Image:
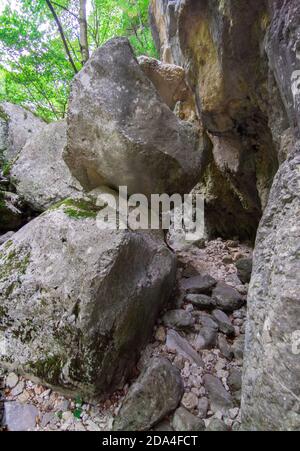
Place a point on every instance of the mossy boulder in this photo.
(78, 302)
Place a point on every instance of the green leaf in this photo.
(34, 69)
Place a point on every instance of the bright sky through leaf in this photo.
(35, 69)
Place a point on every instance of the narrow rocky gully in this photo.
(201, 333)
(105, 326)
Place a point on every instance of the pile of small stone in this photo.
(29, 406)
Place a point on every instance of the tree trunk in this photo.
(84, 46)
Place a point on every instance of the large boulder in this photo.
(271, 390)
(40, 175)
(120, 132)
(77, 302)
(17, 125)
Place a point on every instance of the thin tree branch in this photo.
(66, 9)
(61, 31)
(34, 84)
(137, 36)
(73, 50)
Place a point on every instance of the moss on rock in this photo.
(48, 369)
(78, 208)
(13, 262)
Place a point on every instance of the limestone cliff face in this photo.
(243, 64)
(239, 62)
(272, 359)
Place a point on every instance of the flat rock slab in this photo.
(156, 393)
(225, 348)
(224, 323)
(207, 320)
(20, 417)
(184, 421)
(206, 339)
(227, 298)
(178, 344)
(244, 269)
(179, 319)
(201, 301)
(202, 284)
(220, 399)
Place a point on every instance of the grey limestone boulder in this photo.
(17, 125)
(40, 174)
(77, 303)
(121, 133)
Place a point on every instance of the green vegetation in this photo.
(78, 410)
(6, 168)
(48, 369)
(78, 208)
(13, 262)
(42, 45)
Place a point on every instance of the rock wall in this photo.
(244, 67)
(271, 390)
(233, 67)
(272, 362)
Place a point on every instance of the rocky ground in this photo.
(201, 333)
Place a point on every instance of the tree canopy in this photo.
(42, 45)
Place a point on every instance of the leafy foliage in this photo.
(34, 69)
